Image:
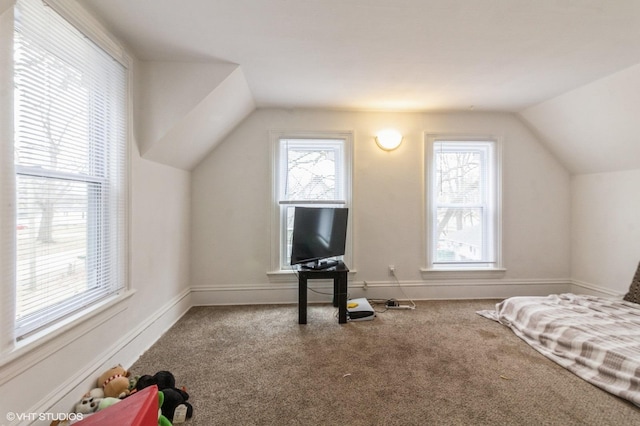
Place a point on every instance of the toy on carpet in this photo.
(133, 381)
(162, 420)
(90, 405)
(173, 397)
(96, 393)
(163, 379)
(115, 382)
(87, 405)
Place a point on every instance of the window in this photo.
(70, 139)
(308, 170)
(463, 203)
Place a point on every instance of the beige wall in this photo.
(593, 131)
(606, 229)
(52, 373)
(230, 242)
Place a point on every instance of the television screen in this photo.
(318, 233)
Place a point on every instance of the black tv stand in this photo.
(339, 276)
(320, 265)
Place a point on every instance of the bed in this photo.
(596, 338)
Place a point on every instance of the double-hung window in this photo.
(463, 203)
(312, 170)
(70, 144)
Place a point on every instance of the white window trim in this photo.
(37, 347)
(9, 347)
(77, 16)
(456, 271)
(276, 273)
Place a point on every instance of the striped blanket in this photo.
(597, 339)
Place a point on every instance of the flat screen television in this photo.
(318, 233)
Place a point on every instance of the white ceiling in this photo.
(418, 55)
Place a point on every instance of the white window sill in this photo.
(464, 273)
(282, 276)
(33, 349)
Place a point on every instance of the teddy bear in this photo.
(115, 382)
(173, 397)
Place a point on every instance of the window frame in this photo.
(100, 299)
(493, 230)
(279, 263)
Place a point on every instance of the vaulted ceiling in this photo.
(562, 65)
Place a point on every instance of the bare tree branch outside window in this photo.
(459, 196)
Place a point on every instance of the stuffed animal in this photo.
(133, 381)
(115, 382)
(162, 420)
(173, 397)
(163, 379)
(95, 392)
(87, 405)
(90, 405)
(107, 402)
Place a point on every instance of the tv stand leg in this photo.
(341, 295)
(302, 300)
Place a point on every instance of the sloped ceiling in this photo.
(401, 55)
(594, 128)
(186, 109)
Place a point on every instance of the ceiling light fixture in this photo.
(388, 139)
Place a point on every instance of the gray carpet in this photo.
(441, 364)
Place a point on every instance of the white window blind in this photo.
(70, 139)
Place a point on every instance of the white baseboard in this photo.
(249, 295)
(461, 289)
(415, 290)
(582, 287)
